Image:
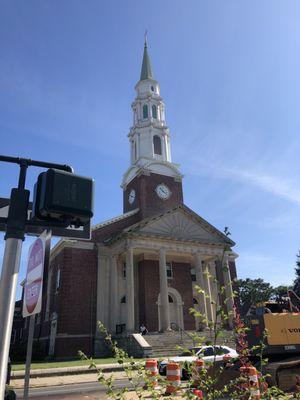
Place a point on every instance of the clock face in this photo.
(131, 196)
(163, 191)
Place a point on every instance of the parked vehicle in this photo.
(206, 353)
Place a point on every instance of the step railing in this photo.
(176, 327)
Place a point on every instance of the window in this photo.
(123, 300)
(221, 350)
(135, 151)
(152, 88)
(145, 111)
(209, 351)
(124, 271)
(57, 283)
(195, 301)
(169, 270)
(154, 111)
(157, 145)
(171, 299)
(193, 274)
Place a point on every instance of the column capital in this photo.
(199, 257)
(162, 251)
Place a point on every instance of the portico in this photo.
(141, 271)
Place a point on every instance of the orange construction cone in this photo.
(173, 377)
(253, 385)
(226, 357)
(198, 365)
(198, 393)
(152, 372)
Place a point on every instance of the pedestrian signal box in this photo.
(61, 196)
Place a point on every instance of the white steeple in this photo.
(149, 136)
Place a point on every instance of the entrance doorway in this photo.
(175, 308)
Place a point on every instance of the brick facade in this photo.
(148, 293)
(146, 198)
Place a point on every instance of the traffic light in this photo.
(61, 196)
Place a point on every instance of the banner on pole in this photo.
(32, 302)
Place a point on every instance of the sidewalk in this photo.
(51, 372)
(56, 380)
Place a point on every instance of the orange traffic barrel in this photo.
(152, 372)
(198, 393)
(252, 381)
(197, 367)
(173, 377)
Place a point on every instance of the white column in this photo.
(114, 297)
(207, 289)
(228, 291)
(200, 283)
(129, 291)
(164, 294)
(102, 290)
(213, 286)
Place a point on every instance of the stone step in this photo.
(164, 344)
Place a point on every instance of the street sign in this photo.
(83, 232)
(32, 302)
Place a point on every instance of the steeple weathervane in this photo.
(146, 72)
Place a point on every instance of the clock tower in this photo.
(153, 182)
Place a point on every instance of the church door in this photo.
(175, 308)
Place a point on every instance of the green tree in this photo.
(280, 293)
(252, 291)
(297, 271)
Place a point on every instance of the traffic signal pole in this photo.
(15, 234)
(8, 286)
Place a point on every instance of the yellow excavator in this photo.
(277, 325)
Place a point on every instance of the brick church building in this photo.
(141, 266)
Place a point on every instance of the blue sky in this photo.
(229, 75)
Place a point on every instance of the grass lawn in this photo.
(61, 364)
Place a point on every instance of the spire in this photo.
(146, 72)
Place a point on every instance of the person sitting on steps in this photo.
(143, 329)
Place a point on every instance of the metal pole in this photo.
(8, 286)
(28, 356)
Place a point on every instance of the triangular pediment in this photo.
(181, 224)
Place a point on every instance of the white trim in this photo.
(115, 219)
(67, 336)
(74, 244)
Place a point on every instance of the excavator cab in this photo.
(274, 324)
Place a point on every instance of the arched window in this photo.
(171, 299)
(123, 300)
(135, 151)
(154, 111)
(145, 111)
(157, 145)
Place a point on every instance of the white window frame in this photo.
(169, 267)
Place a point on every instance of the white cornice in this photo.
(115, 219)
(74, 244)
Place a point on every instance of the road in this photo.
(90, 390)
